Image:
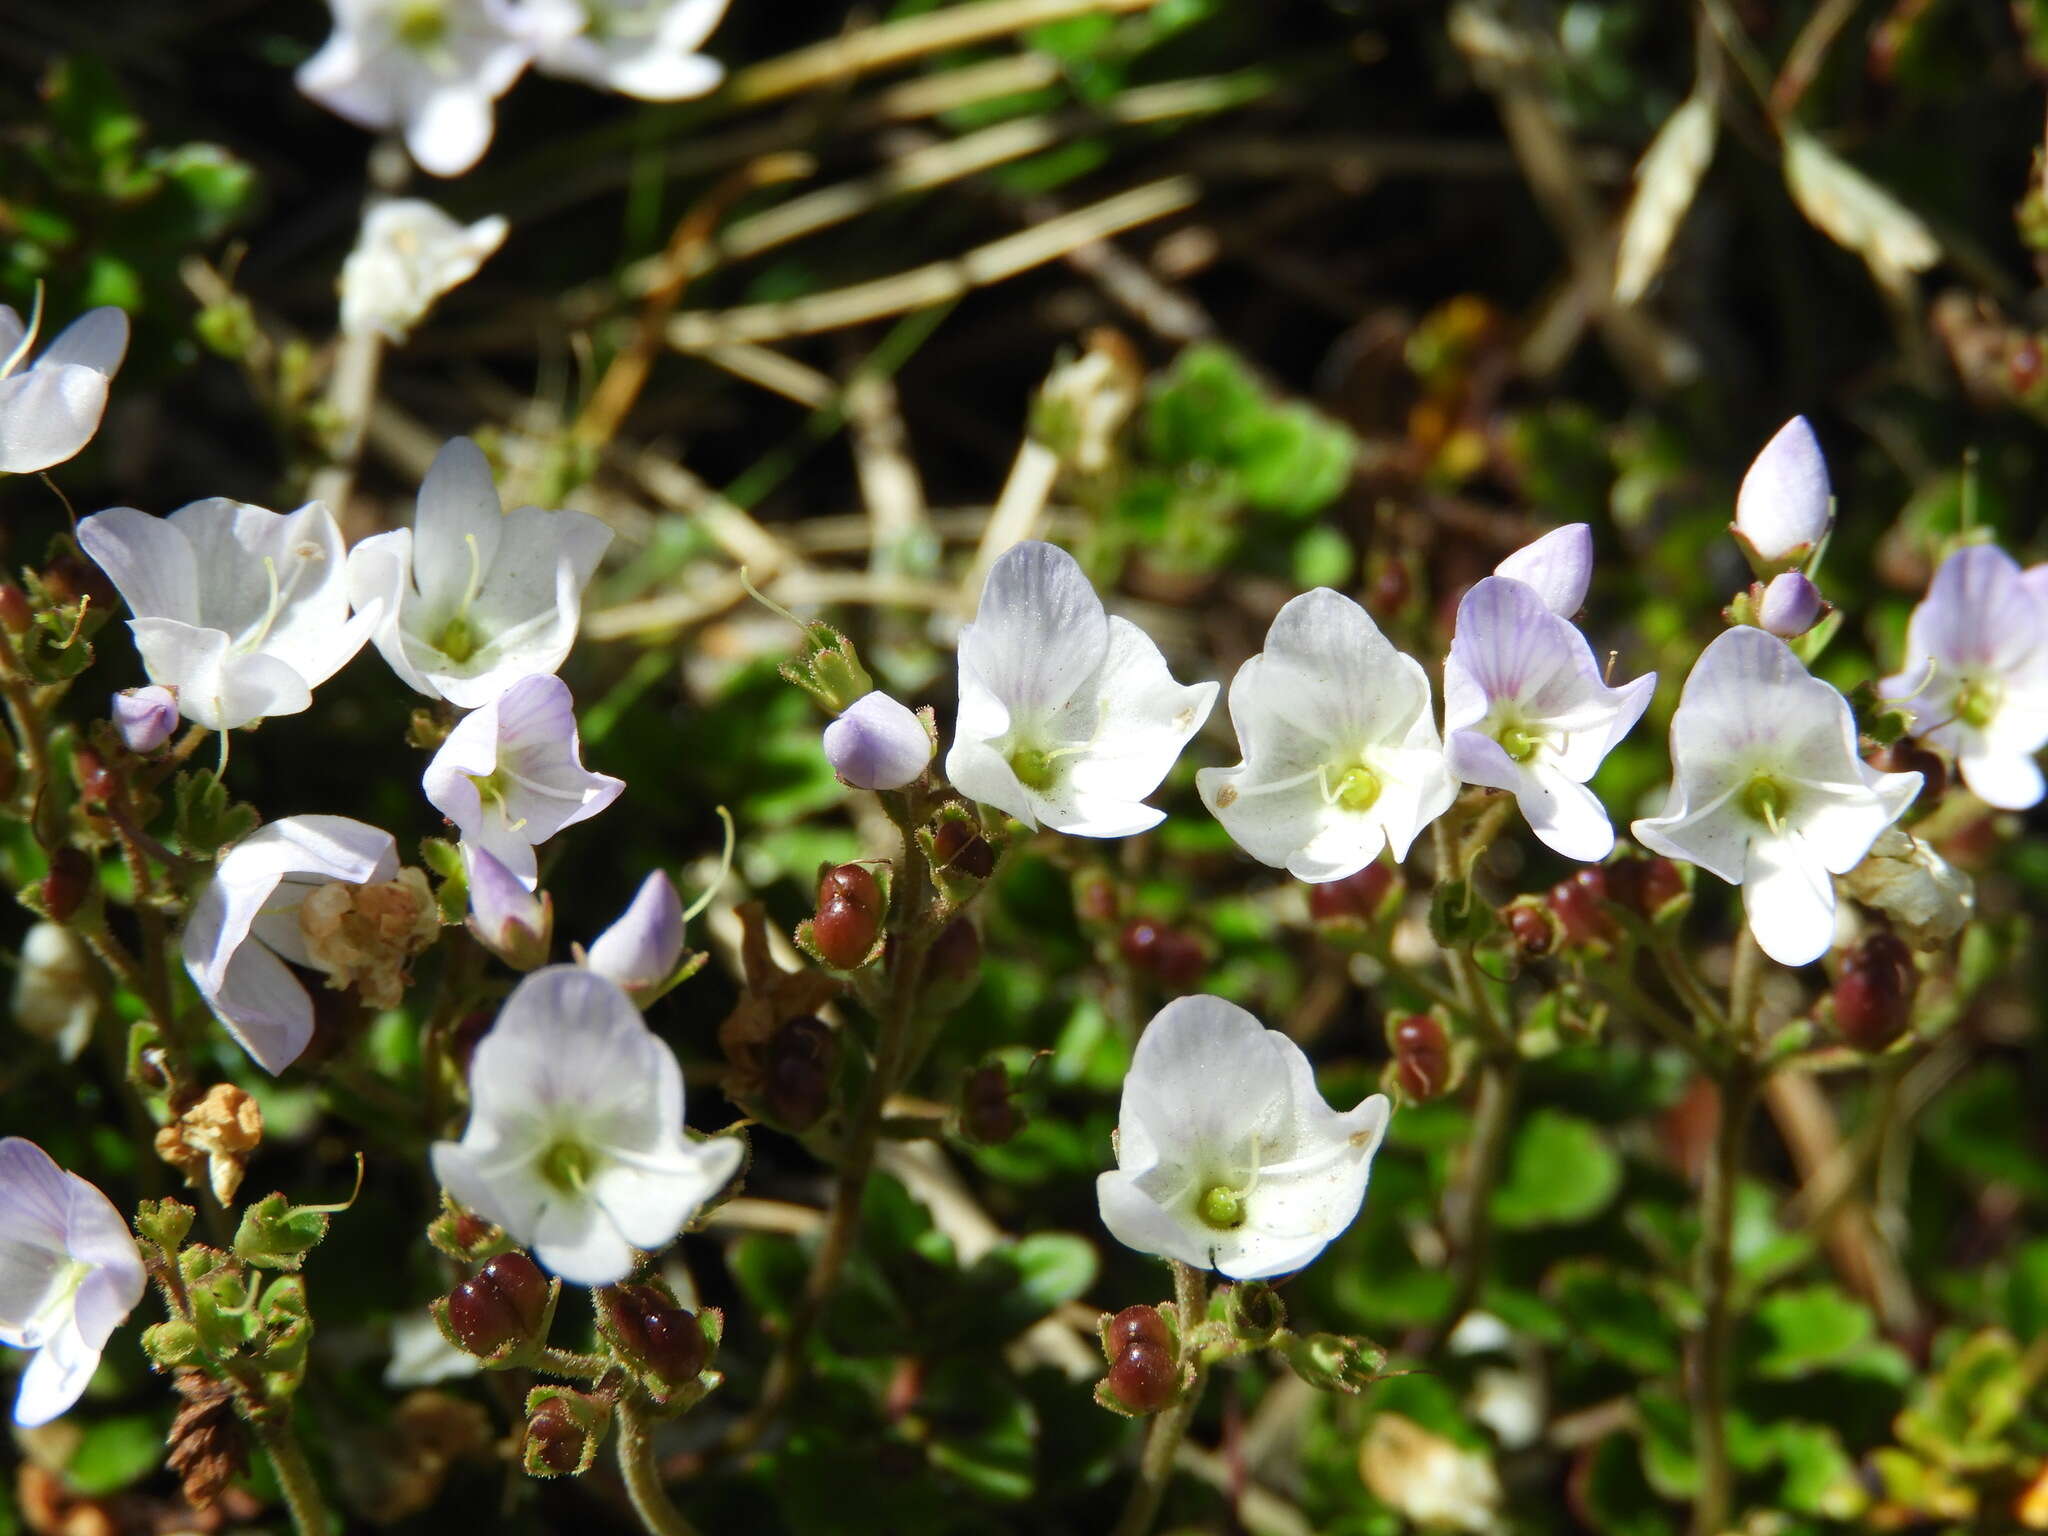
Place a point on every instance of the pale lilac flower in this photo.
(643, 948)
(1785, 505)
(430, 67)
(1067, 716)
(240, 612)
(145, 717)
(56, 997)
(1767, 791)
(575, 1143)
(1559, 566)
(70, 1274)
(511, 775)
(509, 920)
(51, 408)
(246, 925)
(1227, 1156)
(408, 254)
(1525, 710)
(644, 48)
(877, 744)
(471, 598)
(1341, 752)
(1791, 605)
(1976, 673)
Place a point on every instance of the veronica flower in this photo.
(70, 1274)
(509, 920)
(471, 598)
(430, 67)
(877, 744)
(50, 409)
(145, 717)
(240, 612)
(1227, 1156)
(1785, 505)
(1525, 710)
(408, 254)
(1976, 673)
(1767, 790)
(644, 48)
(511, 775)
(1558, 566)
(1067, 716)
(322, 892)
(643, 948)
(1341, 752)
(575, 1143)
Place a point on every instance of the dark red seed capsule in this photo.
(844, 933)
(1579, 903)
(955, 956)
(502, 1302)
(1356, 898)
(1139, 1325)
(1645, 886)
(15, 614)
(1144, 1378)
(657, 1335)
(1873, 992)
(798, 1085)
(958, 848)
(554, 1438)
(1535, 935)
(1422, 1056)
(96, 785)
(67, 884)
(1912, 757)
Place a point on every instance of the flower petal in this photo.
(1039, 633)
(149, 561)
(1559, 566)
(1790, 900)
(48, 414)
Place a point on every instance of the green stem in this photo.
(1162, 1444)
(651, 1502)
(1716, 1284)
(294, 1476)
(1470, 1210)
(1706, 1012)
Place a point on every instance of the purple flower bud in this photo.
(643, 948)
(510, 921)
(145, 717)
(877, 744)
(1559, 566)
(1785, 504)
(1790, 606)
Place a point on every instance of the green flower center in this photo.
(1357, 789)
(458, 641)
(420, 24)
(1764, 799)
(1518, 742)
(1034, 768)
(1977, 702)
(1221, 1207)
(567, 1165)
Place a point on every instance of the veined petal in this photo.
(47, 414)
(97, 339)
(458, 523)
(649, 1206)
(1790, 899)
(1039, 633)
(644, 947)
(1558, 566)
(1713, 834)
(148, 560)
(2010, 781)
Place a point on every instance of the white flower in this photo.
(50, 410)
(1227, 1156)
(471, 598)
(69, 1274)
(575, 1143)
(421, 1355)
(1341, 752)
(1976, 673)
(511, 775)
(1785, 505)
(249, 921)
(1525, 711)
(145, 717)
(1559, 566)
(644, 48)
(643, 948)
(1767, 790)
(54, 995)
(1067, 716)
(239, 611)
(408, 254)
(877, 743)
(431, 67)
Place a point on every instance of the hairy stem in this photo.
(651, 1502)
(1716, 1284)
(294, 1476)
(1162, 1444)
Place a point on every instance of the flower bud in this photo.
(653, 1335)
(1529, 923)
(1136, 1325)
(1175, 958)
(643, 948)
(877, 744)
(96, 784)
(988, 1115)
(513, 923)
(66, 886)
(1785, 504)
(1646, 886)
(1579, 903)
(831, 671)
(145, 717)
(563, 1432)
(1255, 1312)
(1873, 992)
(1359, 898)
(16, 617)
(959, 848)
(1144, 1378)
(1790, 606)
(849, 920)
(1422, 1057)
(798, 1082)
(504, 1303)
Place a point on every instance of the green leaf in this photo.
(1820, 1477)
(1959, 1417)
(984, 1432)
(1560, 1172)
(1616, 1314)
(1617, 1499)
(1293, 462)
(113, 1453)
(1798, 1332)
(2026, 1291)
(1029, 1279)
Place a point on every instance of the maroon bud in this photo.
(556, 1441)
(16, 617)
(96, 784)
(798, 1084)
(1139, 941)
(70, 579)
(1645, 886)
(1144, 1378)
(502, 1303)
(1580, 905)
(1911, 757)
(1530, 926)
(849, 916)
(470, 1230)
(987, 1114)
(1139, 1325)
(67, 884)
(1354, 899)
(1422, 1057)
(959, 849)
(955, 956)
(1874, 992)
(1180, 960)
(655, 1335)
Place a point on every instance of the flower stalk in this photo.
(657, 1511)
(1162, 1444)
